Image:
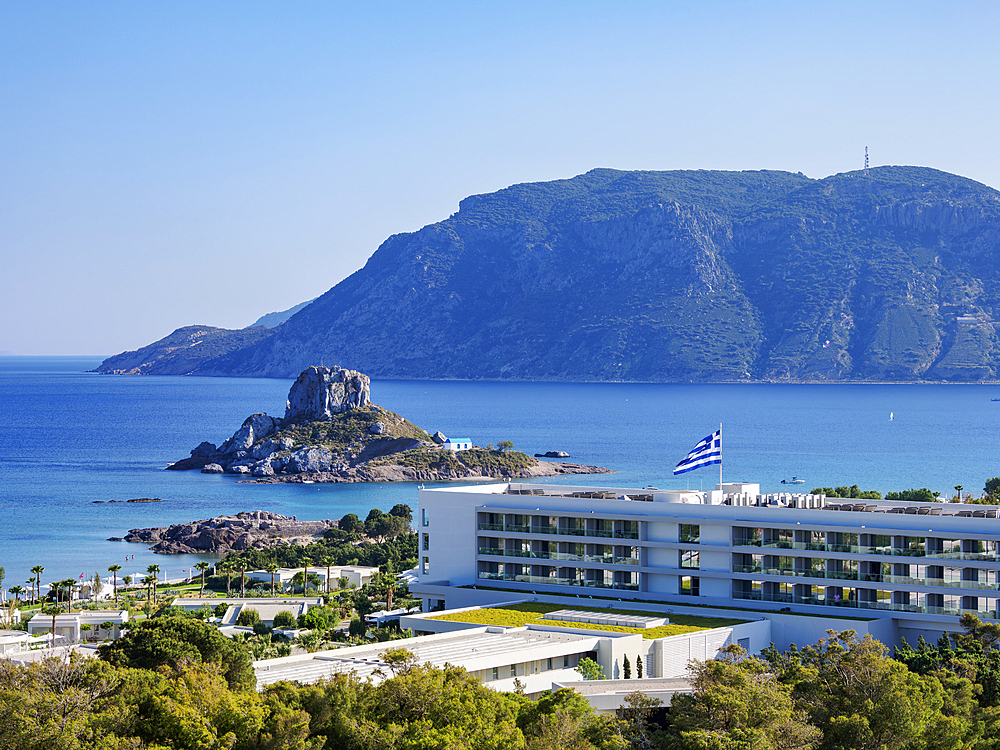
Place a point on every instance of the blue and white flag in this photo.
(706, 453)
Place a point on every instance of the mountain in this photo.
(180, 352)
(891, 274)
(275, 319)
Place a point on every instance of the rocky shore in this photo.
(255, 529)
(399, 473)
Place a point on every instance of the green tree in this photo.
(638, 667)
(351, 524)
(736, 704)
(225, 566)
(170, 641)
(857, 695)
(505, 445)
(627, 668)
(248, 617)
(992, 488)
(590, 669)
(402, 510)
(423, 707)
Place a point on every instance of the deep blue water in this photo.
(68, 438)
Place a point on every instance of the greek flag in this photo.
(706, 453)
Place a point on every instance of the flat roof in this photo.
(473, 649)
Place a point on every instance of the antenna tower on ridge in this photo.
(867, 176)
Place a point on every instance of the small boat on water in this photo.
(793, 480)
(995, 399)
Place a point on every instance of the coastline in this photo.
(398, 473)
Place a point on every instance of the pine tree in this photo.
(627, 669)
(638, 667)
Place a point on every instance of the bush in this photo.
(357, 626)
(284, 620)
(248, 617)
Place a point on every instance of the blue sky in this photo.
(165, 164)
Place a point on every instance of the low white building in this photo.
(103, 625)
(12, 641)
(537, 655)
(457, 444)
(356, 575)
(267, 608)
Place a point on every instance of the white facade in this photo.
(356, 575)
(68, 625)
(920, 564)
(457, 444)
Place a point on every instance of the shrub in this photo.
(284, 620)
(248, 617)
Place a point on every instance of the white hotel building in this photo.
(921, 564)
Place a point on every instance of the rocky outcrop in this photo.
(320, 392)
(252, 530)
(333, 433)
(399, 473)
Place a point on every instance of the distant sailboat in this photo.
(890, 416)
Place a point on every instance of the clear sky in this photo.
(171, 163)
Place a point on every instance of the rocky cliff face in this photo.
(320, 392)
(672, 276)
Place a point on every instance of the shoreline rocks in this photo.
(397, 473)
(255, 529)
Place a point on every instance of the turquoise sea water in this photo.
(68, 438)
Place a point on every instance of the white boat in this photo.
(793, 480)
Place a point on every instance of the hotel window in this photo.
(425, 518)
(689, 533)
(426, 567)
(496, 673)
(690, 586)
(690, 559)
(513, 670)
(427, 542)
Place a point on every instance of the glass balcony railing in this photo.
(559, 530)
(855, 604)
(555, 581)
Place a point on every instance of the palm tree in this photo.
(16, 591)
(271, 568)
(66, 585)
(243, 579)
(149, 582)
(305, 577)
(113, 569)
(202, 566)
(328, 562)
(227, 568)
(37, 570)
(958, 490)
(154, 570)
(52, 609)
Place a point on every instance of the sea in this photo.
(70, 439)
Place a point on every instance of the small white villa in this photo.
(100, 625)
(267, 608)
(356, 575)
(457, 444)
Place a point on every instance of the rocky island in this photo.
(332, 432)
(254, 530)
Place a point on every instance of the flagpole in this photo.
(720, 455)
